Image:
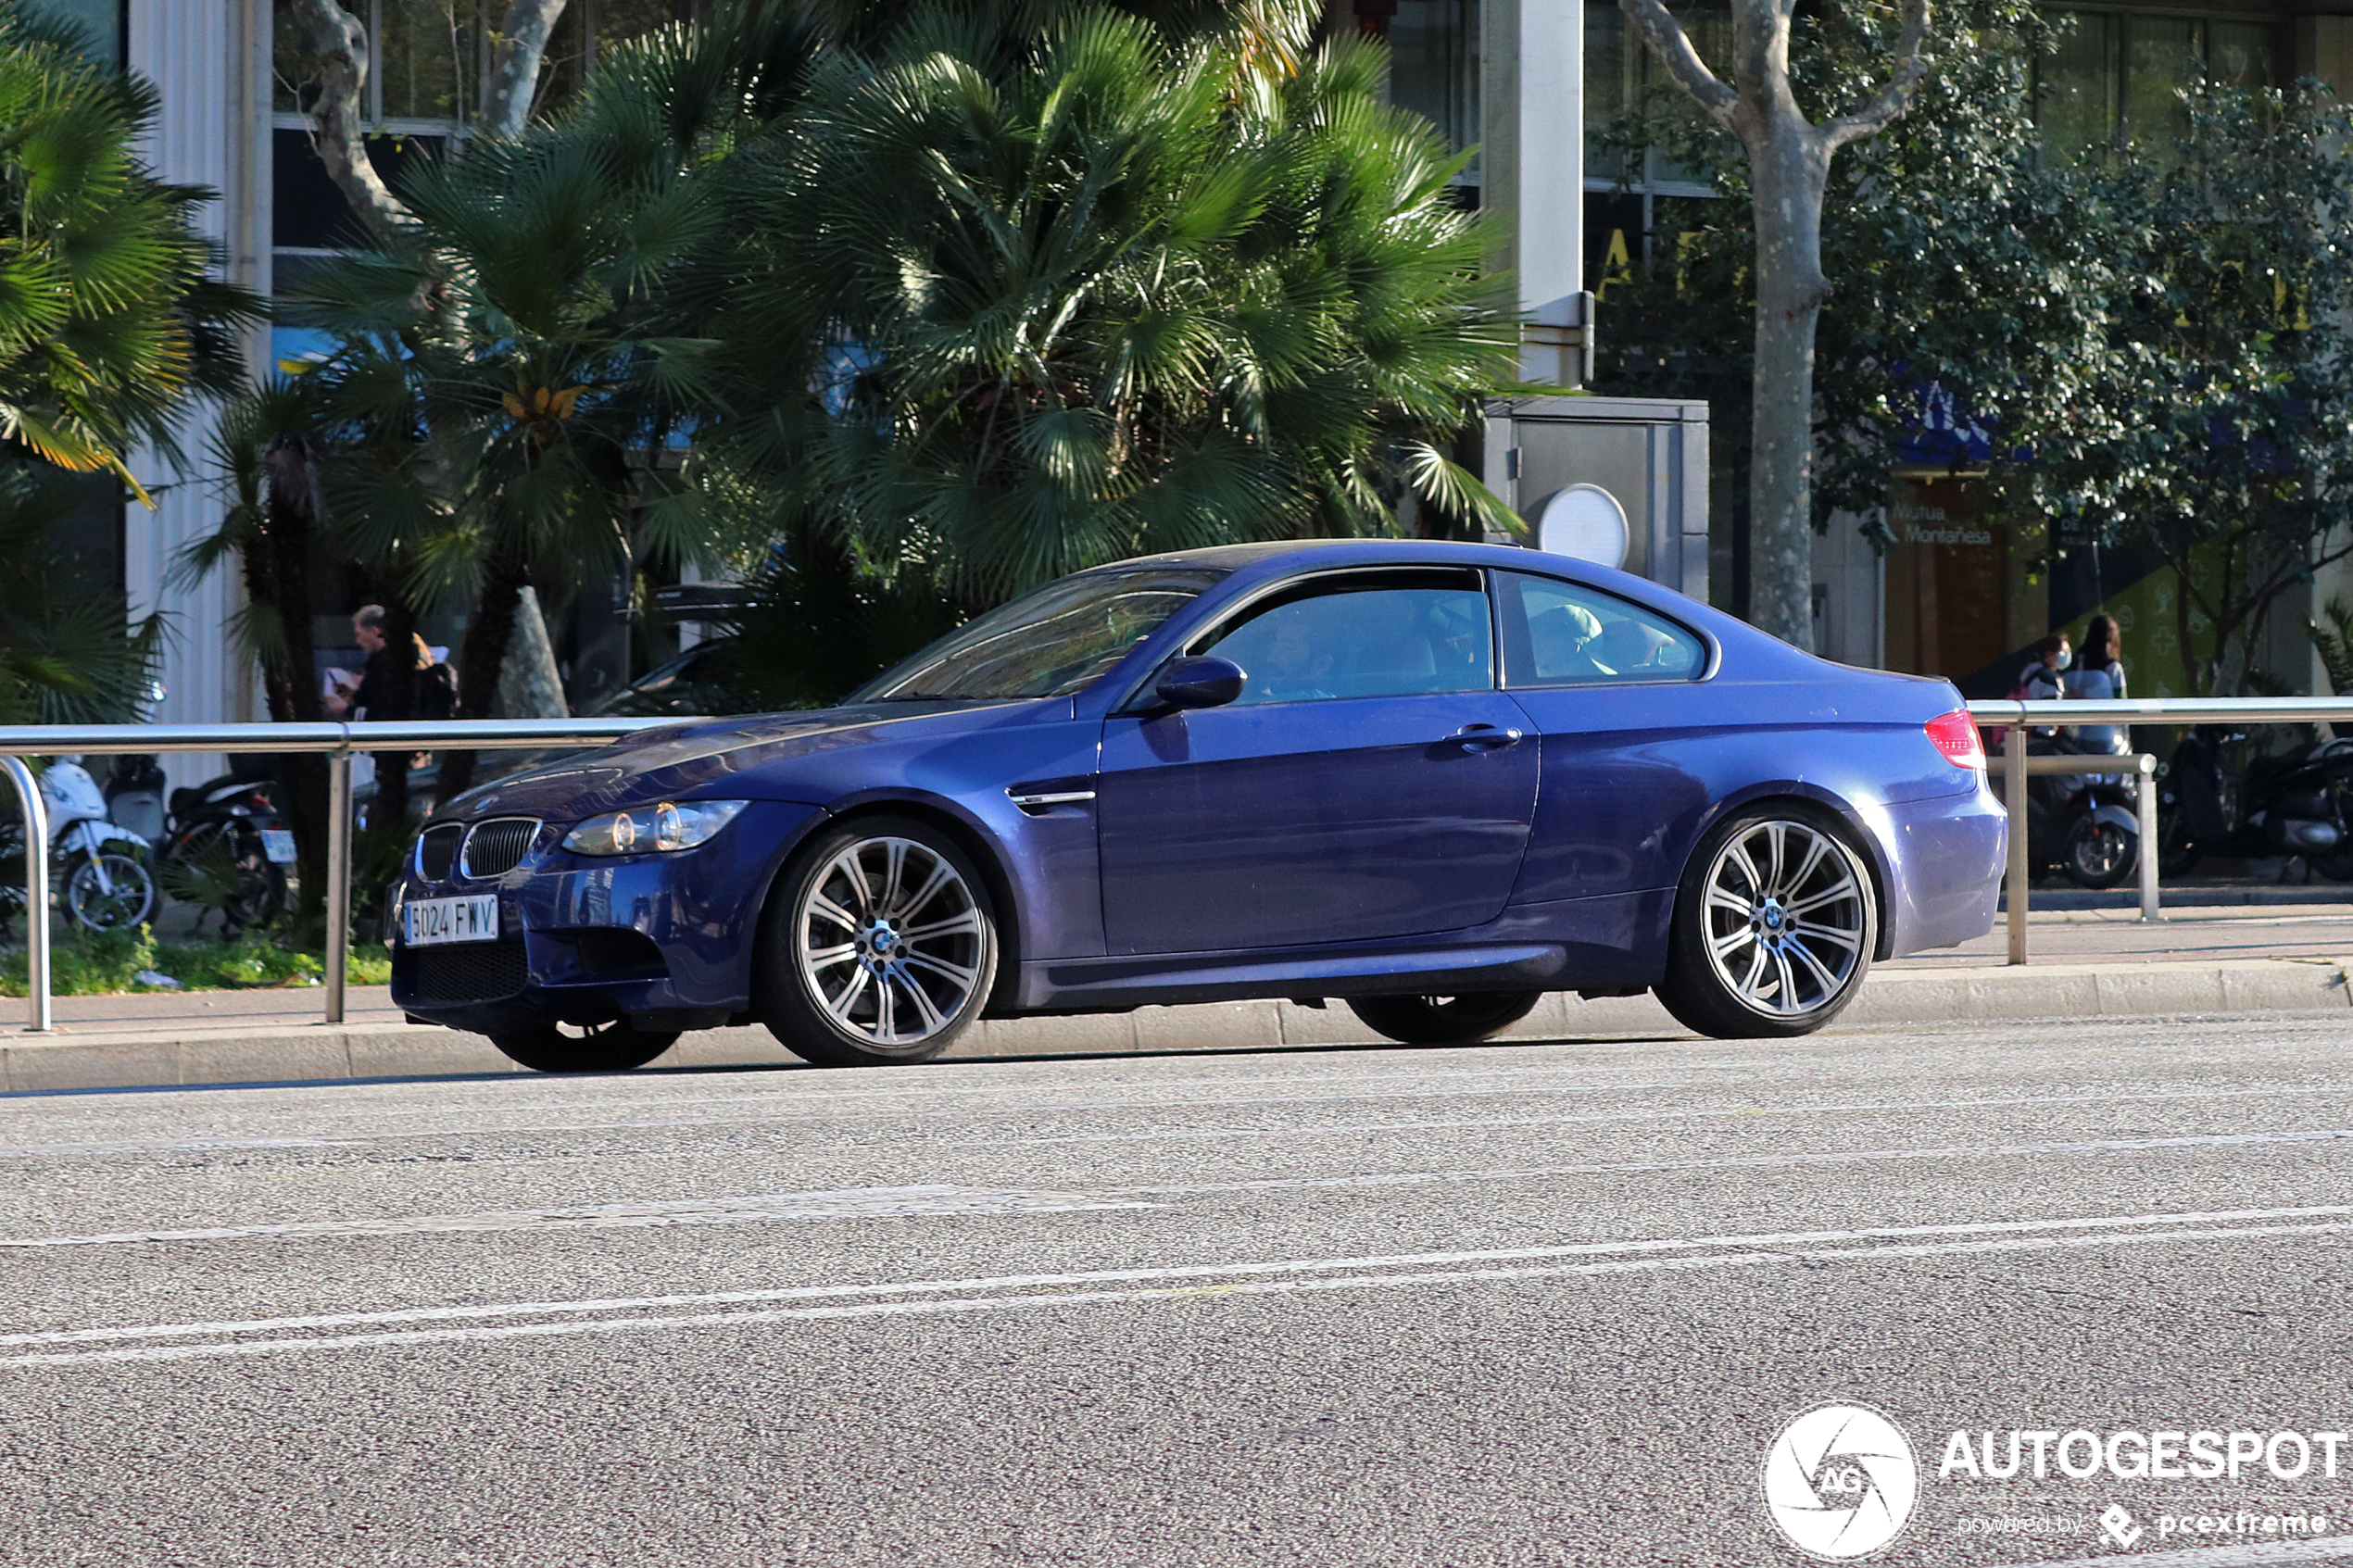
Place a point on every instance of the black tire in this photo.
(1824, 904)
(2098, 855)
(603, 1047)
(832, 984)
(1444, 1020)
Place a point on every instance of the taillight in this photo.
(1955, 736)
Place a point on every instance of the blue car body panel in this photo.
(1339, 847)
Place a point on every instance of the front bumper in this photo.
(664, 940)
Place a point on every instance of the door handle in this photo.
(1484, 738)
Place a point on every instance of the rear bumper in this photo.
(663, 940)
(1945, 862)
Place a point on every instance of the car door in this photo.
(1611, 689)
(1370, 782)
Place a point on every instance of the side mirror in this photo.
(1200, 682)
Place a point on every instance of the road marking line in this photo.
(904, 1202)
(2114, 1224)
(1828, 1157)
(206, 1145)
(2250, 1556)
(939, 1306)
(1720, 1113)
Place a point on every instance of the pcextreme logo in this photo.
(1840, 1481)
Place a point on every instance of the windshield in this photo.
(1050, 644)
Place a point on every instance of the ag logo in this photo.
(1840, 1481)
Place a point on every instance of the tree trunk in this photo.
(277, 578)
(481, 658)
(1789, 172)
(1789, 162)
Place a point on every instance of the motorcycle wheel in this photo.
(2098, 855)
(2336, 865)
(108, 892)
(260, 888)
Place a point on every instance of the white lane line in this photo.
(913, 1202)
(2124, 1225)
(1738, 1162)
(1063, 1299)
(905, 1202)
(168, 1146)
(2250, 1556)
(1721, 1113)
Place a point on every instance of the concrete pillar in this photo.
(210, 61)
(1532, 171)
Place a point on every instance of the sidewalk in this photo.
(2086, 963)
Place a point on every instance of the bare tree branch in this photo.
(338, 120)
(1666, 39)
(1911, 66)
(515, 57)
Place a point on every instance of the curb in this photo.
(323, 1053)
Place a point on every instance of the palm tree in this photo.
(108, 324)
(1009, 306)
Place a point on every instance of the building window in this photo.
(2114, 76)
(1433, 67)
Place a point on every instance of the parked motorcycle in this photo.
(2082, 827)
(227, 834)
(99, 866)
(2289, 803)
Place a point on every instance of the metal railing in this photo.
(340, 743)
(2014, 718)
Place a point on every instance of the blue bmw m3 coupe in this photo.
(1433, 781)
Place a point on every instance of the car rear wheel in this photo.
(596, 1048)
(880, 947)
(1444, 1020)
(1773, 929)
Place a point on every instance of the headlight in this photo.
(667, 826)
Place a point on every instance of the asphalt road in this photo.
(1534, 1304)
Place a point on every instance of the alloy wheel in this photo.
(1787, 918)
(889, 940)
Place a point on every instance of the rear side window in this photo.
(1388, 633)
(1559, 634)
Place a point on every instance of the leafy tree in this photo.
(1100, 290)
(1788, 153)
(2217, 435)
(109, 325)
(1978, 273)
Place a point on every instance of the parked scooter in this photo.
(229, 830)
(2291, 803)
(100, 867)
(2080, 825)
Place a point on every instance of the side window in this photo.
(1379, 634)
(1560, 633)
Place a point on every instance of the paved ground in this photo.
(1542, 1303)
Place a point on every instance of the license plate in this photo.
(278, 843)
(471, 919)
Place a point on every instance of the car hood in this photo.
(700, 761)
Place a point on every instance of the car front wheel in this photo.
(1773, 928)
(880, 947)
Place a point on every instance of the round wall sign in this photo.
(1584, 523)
